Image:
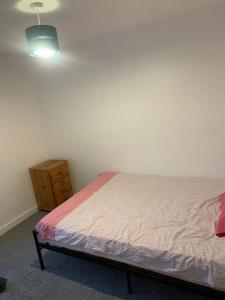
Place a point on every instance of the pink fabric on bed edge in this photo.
(47, 225)
(220, 226)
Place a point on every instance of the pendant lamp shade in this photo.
(42, 40)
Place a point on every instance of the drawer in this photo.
(59, 173)
(61, 182)
(63, 197)
(63, 189)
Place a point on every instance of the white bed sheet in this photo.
(159, 223)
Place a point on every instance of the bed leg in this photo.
(38, 250)
(129, 283)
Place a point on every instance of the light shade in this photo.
(42, 40)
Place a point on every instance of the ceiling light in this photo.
(42, 39)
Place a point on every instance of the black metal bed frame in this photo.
(128, 269)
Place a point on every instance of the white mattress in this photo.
(159, 223)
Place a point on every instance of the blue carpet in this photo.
(69, 278)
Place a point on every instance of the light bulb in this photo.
(44, 52)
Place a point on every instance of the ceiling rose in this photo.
(44, 6)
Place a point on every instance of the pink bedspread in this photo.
(46, 226)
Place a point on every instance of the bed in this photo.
(163, 227)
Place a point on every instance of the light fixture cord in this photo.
(38, 16)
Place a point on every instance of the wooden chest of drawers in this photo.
(52, 184)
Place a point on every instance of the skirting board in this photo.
(17, 220)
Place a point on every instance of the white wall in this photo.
(150, 100)
(22, 142)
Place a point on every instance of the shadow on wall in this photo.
(149, 100)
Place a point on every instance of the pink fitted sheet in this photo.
(46, 227)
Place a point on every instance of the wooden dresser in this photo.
(52, 184)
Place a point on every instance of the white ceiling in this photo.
(86, 19)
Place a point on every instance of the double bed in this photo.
(163, 227)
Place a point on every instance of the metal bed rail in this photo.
(128, 269)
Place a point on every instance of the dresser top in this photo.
(49, 165)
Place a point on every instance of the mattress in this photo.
(163, 224)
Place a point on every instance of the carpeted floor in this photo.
(67, 278)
